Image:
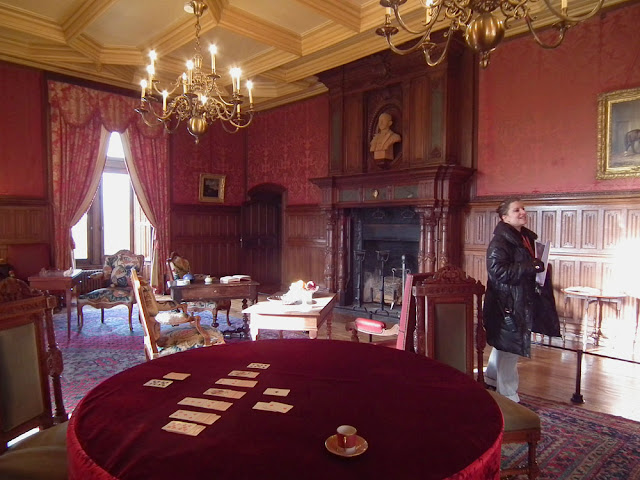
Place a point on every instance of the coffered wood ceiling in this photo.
(280, 44)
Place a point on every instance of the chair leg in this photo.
(102, 315)
(214, 312)
(130, 307)
(534, 470)
(79, 314)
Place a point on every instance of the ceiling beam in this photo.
(84, 16)
(239, 21)
(18, 20)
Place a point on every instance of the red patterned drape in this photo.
(150, 176)
(80, 118)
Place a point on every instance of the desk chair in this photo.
(446, 314)
(30, 366)
(178, 268)
(116, 284)
(186, 334)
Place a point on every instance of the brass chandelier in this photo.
(199, 100)
(482, 23)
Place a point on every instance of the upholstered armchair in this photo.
(178, 268)
(183, 330)
(117, 285)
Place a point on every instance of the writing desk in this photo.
(198, 290)
(420, 418)
(59, 283)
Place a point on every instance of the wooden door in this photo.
(261, 240)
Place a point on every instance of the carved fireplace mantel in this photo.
(437, 194)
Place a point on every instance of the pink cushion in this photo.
(28, 258)
(370, 326)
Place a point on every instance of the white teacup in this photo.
(208, 280)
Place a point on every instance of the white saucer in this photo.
(332, 445)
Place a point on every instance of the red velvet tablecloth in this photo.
(421, 419)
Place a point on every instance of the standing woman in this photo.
(515, 305)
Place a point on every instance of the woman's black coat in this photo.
(513, 306)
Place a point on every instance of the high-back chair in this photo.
(116, 289)
(30, 368)
(187, 334)
(178, 268)
(449, 307)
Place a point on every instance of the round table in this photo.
(421, 419)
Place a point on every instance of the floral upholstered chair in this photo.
(185, 332)
(117, 287)
(179, 267)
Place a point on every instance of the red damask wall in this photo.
(289, 145)
(23, 161)
(538, 122)
(218, 152)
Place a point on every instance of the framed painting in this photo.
(211, 188)
(619, 134)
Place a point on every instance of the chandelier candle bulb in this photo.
(563, 5)
(152, 56)
(150, 71)
(143, 85)
(213, 50)
(184, 83)
(165, 94)
(190, 70)
(250, 89)
(389, 12)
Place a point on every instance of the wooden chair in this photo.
(116, 289)
(399, 335)
(30, 367)
(187, 334)
(449, 304)
(178, 267)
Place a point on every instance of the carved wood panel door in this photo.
(261, 241)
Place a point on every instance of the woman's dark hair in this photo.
(503, 208)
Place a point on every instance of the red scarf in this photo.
(527, 244)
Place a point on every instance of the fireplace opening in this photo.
(385, 248)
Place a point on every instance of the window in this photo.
(115, 220)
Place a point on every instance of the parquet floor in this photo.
(607, 386)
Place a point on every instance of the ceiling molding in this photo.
(80, 19)
(344, 13)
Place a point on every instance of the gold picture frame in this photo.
(619, 134)
(211, 188)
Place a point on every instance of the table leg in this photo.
(329, 319)
(67, 300)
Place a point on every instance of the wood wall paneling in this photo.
(208, 237)
(587, 238)
(304, 244)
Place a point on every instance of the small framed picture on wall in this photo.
(211, 188)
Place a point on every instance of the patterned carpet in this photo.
(577, 444)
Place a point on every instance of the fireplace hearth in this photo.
(385, 248)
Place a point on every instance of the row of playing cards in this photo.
(184, 419)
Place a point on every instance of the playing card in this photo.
(280, 407)
(200, 417)
(273, 407)
(278, 392)
(185, 428)
(176, 376)
(158, 383)
(243, 373)
(237, 383)
(262, 366)
(204, 403)
(223, 392)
